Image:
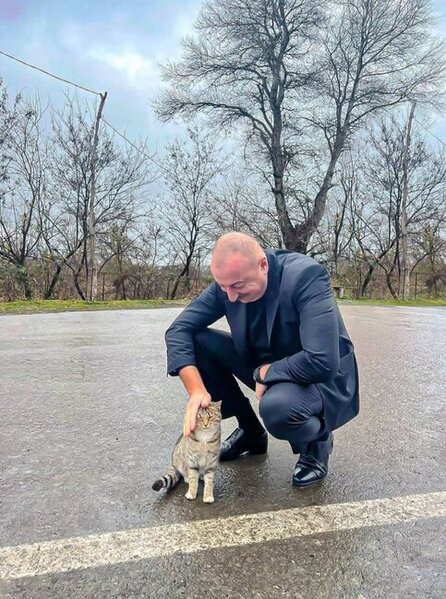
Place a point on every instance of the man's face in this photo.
(242, 279)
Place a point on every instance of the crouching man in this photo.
(287, 342)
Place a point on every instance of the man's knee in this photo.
(275, 411)
(284, 405)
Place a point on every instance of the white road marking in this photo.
(92, 551)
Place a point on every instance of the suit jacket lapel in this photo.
(272, 292)
(237, 318)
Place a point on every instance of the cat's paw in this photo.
(209, 499)
(190, 495)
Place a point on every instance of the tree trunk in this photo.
(76, 279)
(367, 279)
(278, 162)
(49, 292)
(304, 231)
(390, 287)
(184, 272)
(285, 224)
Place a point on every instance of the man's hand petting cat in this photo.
(200, 399)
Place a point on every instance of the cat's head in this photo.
(209, 418)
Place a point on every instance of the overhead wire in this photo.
(50, 74)
(159, 165)
(429, 131)
(133, 145)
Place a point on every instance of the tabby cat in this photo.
(196, 457)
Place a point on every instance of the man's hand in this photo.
(197, 400)
(260, 388)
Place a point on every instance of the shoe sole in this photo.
(314, 482)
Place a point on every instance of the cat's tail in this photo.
(168, 481)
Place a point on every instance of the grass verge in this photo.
(388, 302)
(39, 306)
(42, 306)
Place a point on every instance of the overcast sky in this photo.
(106, 45)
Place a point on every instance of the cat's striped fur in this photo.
(196, 457)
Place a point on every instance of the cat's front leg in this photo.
(193, 475)
(208, 493)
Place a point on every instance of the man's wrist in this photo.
(257, 374)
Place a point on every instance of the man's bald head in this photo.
(234, 243)
(240, 267)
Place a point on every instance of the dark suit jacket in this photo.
(308, 339)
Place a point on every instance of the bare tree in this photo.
(8, 119)
(250, 61)
(22, 186)
(334, 236)
(385, 168)
(377, 54)
(431, 247)
(121, 174)
(129, 255)
(190, 176)
(244, 206)
(286, 69)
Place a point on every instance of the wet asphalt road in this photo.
(88, 419)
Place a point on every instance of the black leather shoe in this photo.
(240, 442)
(312, 465)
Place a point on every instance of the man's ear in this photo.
(263, 263)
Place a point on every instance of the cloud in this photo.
(102, 46)
(139, 71)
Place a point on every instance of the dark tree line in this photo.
(310, 138)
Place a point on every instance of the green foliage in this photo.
(35, 307)
(32, 307)
(389, 302)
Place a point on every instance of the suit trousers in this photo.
(289, 410)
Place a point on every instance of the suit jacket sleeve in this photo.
(318, 361)
(201, 312)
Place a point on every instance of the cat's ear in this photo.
(217, 404)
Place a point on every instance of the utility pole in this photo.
(92, 271)
(404, 252)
